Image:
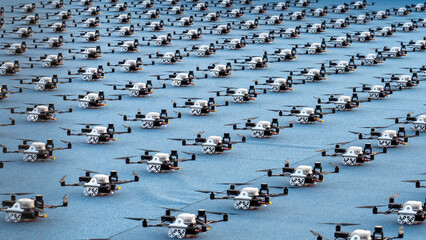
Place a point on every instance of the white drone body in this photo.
(178, 227)
(360, 19)
(53, 42)
(280, 6)
(211, 17)
(33, 116)
(318, 12)
(249, 24)
(305, 113)
(419, 45)
(209, 147)
(91, 188)
(222, 29)
(28, 8)
(258, 131)
(148, 120)
(123, 18)
(298, 177)
(358, 5)
(123, 31)
(126, 46)
(296, 16)
(312, 73)
(386, 31)
(234, 43)
(235, 13)
(215, 72)
(154, 26)
(258, 9)
(169, 57)
(351, 154)
(134, 90)
(340, 9)
(23, 33)
(128, 65)
(339, 23)
(420, 7)
(14, 213)
(93, 136)
(363, 36)
(56, 26)
(238, 96)
(50, 60)
(31, 154)
(402, 11)
(263, 38)
(254, 62)
(314, 48)
(41, 84)
(341, 66)
(89, 73)
(341, 102)
(191, 34)
(394, 52)
(276, 85)
(380, 15)
(90, 37)
(151, 14)
(7, 68)
(385, 140)
(408, 213)
(302, 3)
(200, 7)
(403, 80)
(145, 4)
(85, 101)
(361, 234)
(184, 21)
(90, 22)
(370, 59)
(407, 27)
(197, 107)
(177, 81)
(201, 51)
(89, 52)
(15, 48)
(375, 91)
(175, 10)
(340, 41)
(154, 165)
(315, 28)
(420, 123)
(242, 200)
(30, 19)
(290, 33)
(63, 15)
(225, 3)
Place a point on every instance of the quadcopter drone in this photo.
(41, 112)
(37, 151)
(248, 197)
(343, 103)
(184, 225)
(138, 89)
(44, 83)
(212, 144)
(302, 175)
(418, 121)
(261, 129)
(91, 99)
(219, 70)
(10, 68)
(151, 119)
(99, 184)
(169, 57)
(26, 209)
(412, 212)
(417, 182)
(361, 234)
(50, 60)
(278, 84)
(16, 48)
(353, 155)
(160, 162)
(200, 107)
(240, 95)
(305, 115)
(181, 79)
(387, 138)
(97, 134)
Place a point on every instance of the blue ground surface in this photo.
(289, 217)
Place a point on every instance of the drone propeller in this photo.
(148, 150)
(16, 194)
(393, 196)
(90, 171)
(372, 206)
(222, 213)
(170, 209)
(343, 224)
(318, 235)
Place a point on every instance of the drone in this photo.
(316, 28)
(155, 26)
(240, 95)
(235, 13)
(91, 22)
(375, 91)
(97, 134)
(43, 83)
(169, 57)
(37, 151)
(99, 184)
(138, 89)
(40, 112)
(219, 70)
(26, 209)
(359, 233)
(418, 121)
(302, 175)
(10, 68)
(146, 4)
(343, 103)
(305, 115)
(261, 129)
(278, 84)
(91, 99)
(353, 155)
(387, 138)
(4, 92)
(91, 74)
(127, 46)
(152, 119)
(341, 41)
(403, 81)
(371, 59)
(129, 65)
(248, 197)
(160, 162)
(16, 48)
(340, 23)
(180, 79)
(342, 66)
(58, 27)
(200, 107)
(23, 32)
(412, 212)
(184, 225)
(203, 50)
(212, 144)
(50, 60)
